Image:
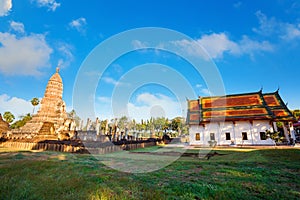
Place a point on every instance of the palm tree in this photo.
(8, 117)
(34, 101)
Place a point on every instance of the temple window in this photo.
(244, 136)
(197, 136)
(212, 136)
(227, 136)
(263, 136)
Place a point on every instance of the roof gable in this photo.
(278, 107)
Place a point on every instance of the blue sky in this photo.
(253, 45)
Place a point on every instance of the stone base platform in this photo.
(75, 146)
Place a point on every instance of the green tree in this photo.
(279, 124)
(22, 121)
(34, 101)
(123, 123)
(296, 113)
(275, 136)
(178, 124)
(72, 114)
(104, 126)
(8, 117)
(161, 124)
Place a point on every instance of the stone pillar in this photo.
(88, 124)
(286, 133)
(135, 135)
(80, 125)
(275, 127)
(73, 125)
(98, 125)
(126, 133)
(106, 128)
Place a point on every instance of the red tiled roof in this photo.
(239, 106)
(230, 101)
(278, 107)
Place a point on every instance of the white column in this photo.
(292, 131)
(251, 131)
(275, 127)
(233, 129)
(286, 133)
(204, 127)
(219, 133)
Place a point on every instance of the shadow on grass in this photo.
(258, 174)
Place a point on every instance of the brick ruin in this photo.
(4, 126)
(50, 121)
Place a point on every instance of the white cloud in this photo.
(142, 47)
(217, 44)
(193, 48)
(17, 26)
(104, 99)
(117, 68)
(5, 7)
(273, 27)
(291, 32)
(23, 55)
(50, 4)
(206, 92)
(146, 105)
(266, 26)
(78, 24)
(110, 80)
(66, 52)
(15, 105)
(155, 105)
(237, 4)
(248, 46)
(203, 91)
(198, 85)
(139, 44)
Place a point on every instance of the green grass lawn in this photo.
(258, 174)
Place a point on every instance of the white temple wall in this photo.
(211, 128)
(240, 128)
(194, 129)
(227, 132)
(258, 127)
(226, 128)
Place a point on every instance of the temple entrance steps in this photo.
(47, 129)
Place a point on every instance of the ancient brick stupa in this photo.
(4, 126)
(51, 115)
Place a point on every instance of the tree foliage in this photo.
(8, 117)
(154, 126)
(123, 123)
(21, 122)
(34, 101)
(275, 136)
(296, 113)
(73, 115)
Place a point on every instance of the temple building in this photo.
(239, 119)
(51, 117)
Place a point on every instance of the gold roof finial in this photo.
(57, 69)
